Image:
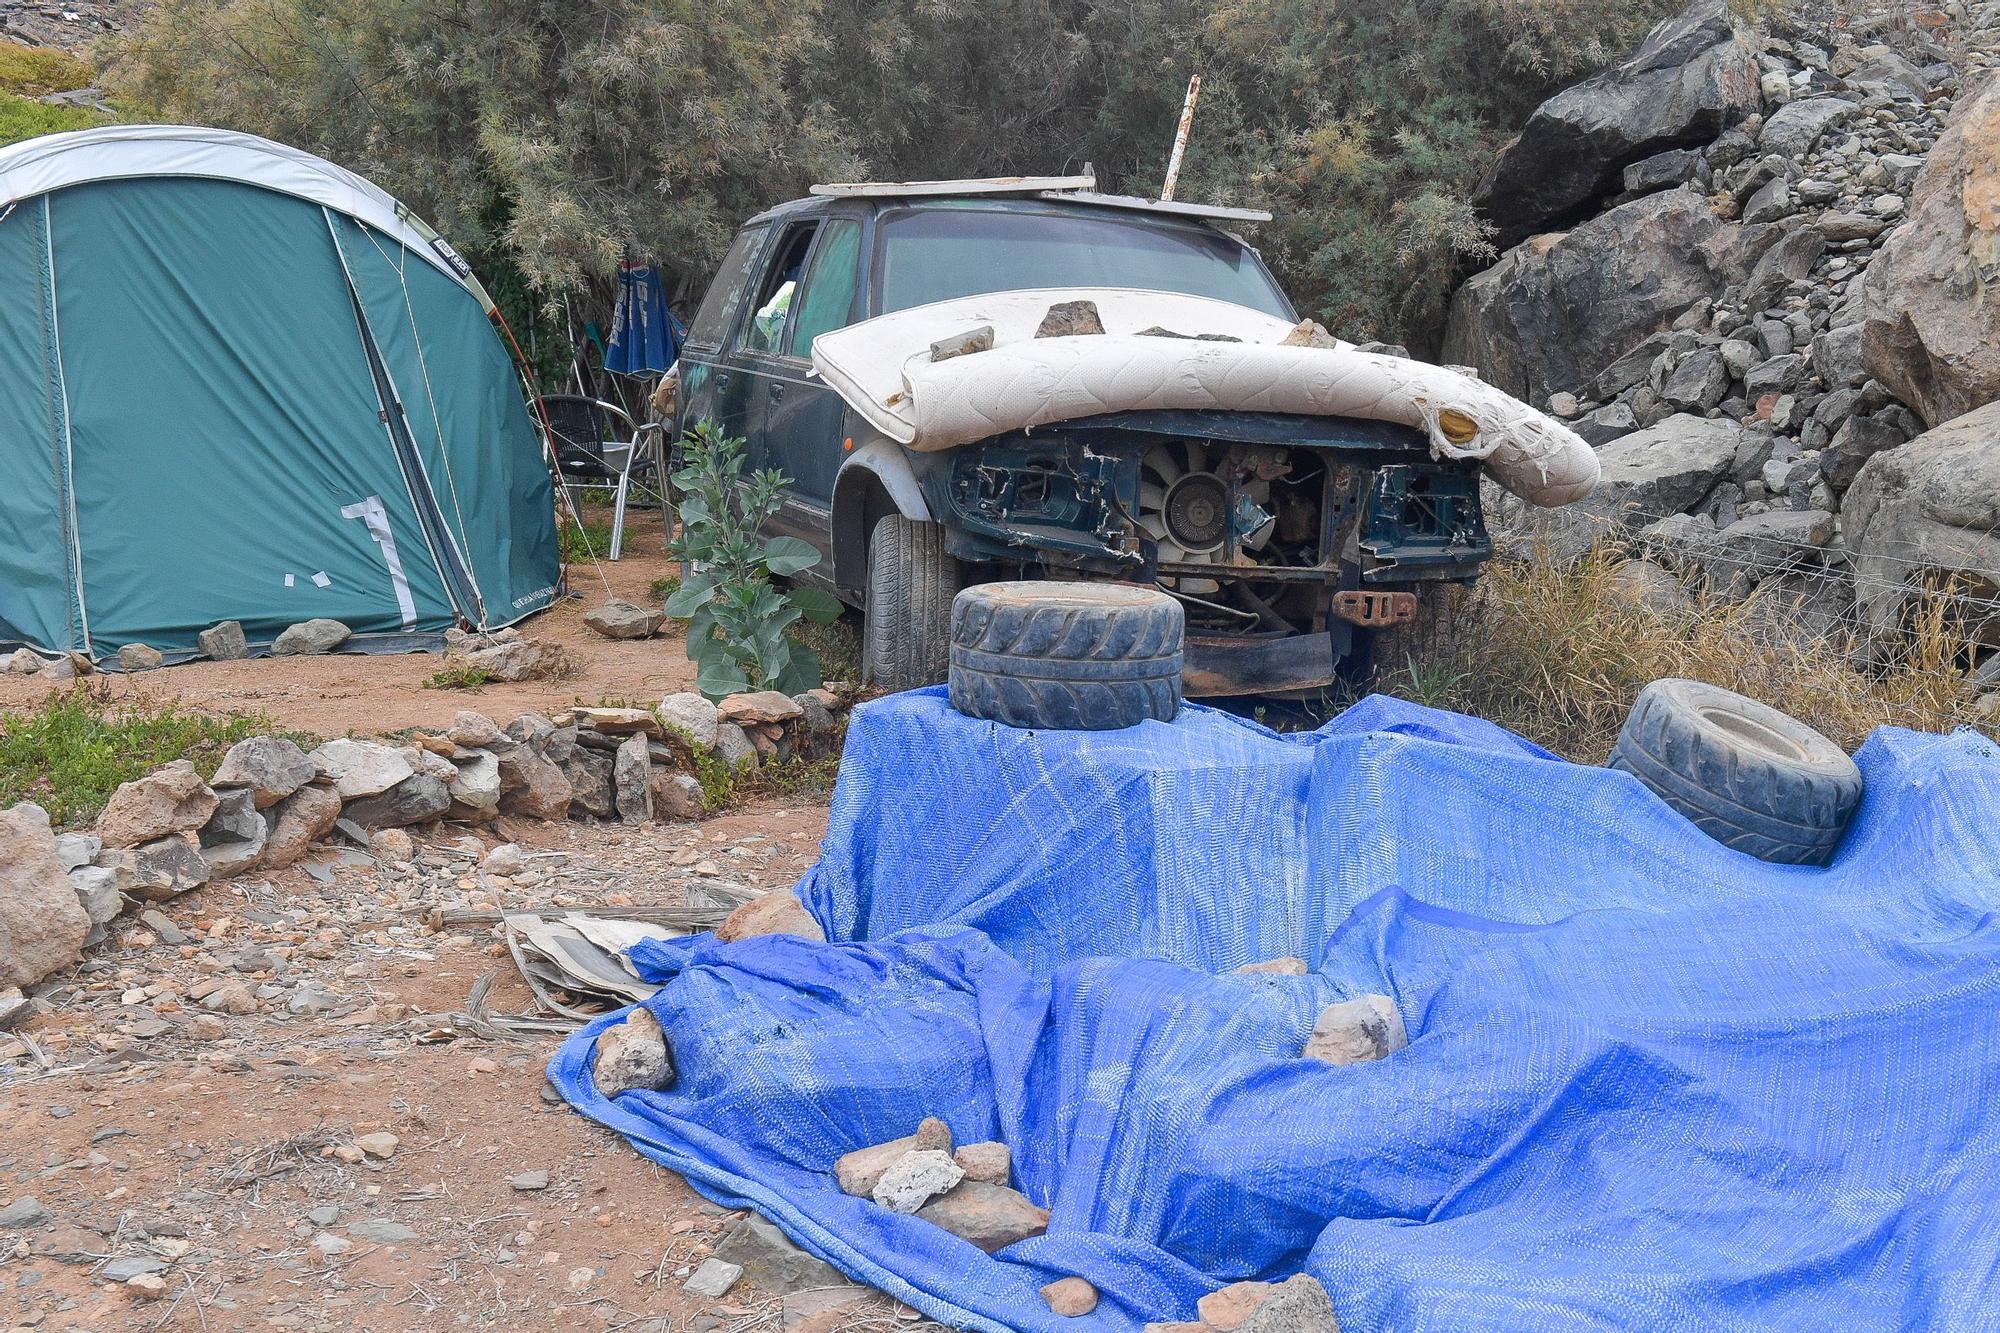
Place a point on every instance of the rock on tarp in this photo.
(1651, 1083)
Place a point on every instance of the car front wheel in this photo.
(906, 625)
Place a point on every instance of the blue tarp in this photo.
(1651, 1083)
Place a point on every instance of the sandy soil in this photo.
(331, 696)
(217, 1159)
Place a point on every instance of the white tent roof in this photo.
(124, 152)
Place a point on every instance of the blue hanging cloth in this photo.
(645, 336)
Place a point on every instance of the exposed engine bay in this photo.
(1260, 533)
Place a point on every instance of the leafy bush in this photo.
(29, 71)
(739, 622)
(24, 118)
(549, 140)
(69, 754)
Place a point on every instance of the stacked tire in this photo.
(1067, 656)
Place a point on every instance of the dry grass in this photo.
(1558, 653)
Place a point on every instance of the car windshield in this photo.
(941, 252)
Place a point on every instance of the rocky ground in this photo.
(320, 1141)
(69, 26)
(1748, 265)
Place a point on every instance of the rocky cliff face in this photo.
(1766, 322)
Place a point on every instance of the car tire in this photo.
(1749, 776)
(906, 623)
(1066, 656)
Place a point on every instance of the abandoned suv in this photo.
(1288, 539)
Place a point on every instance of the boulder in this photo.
(1676, 166)
(1665, 469)
(310, 638)
(632, 780)
(532, 785)
(172, 799)
(1299, 1304)
(1070, 1297)
(1858, 440)
(1692, 77)
(1927, 513)
(475, 785)
(620, 619)
(516, 660)
(75, 850)
(991, 1217)
(590, 774)
(1836, 356)
(991, 1162)
(270, 767)
(1367, 1028)
(411, 801)
(224, 642)
(1787, 261)
(97, 890)
(361, 768)
(1793, 129)
(677, 795)
(1697, 383)
(42, 922)
(476, 731)
(632, 1055)
(232, 841)
(733, 747)
(1559, 309)
(689, 712)
(24, 662)
(776, 913)
(298, 821)
(139, 657)
(859, 1171)
(156, 871)
(915, 1179)
(759, 706)
(1931, 302)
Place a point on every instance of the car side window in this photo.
(725, 294)
(829, 291)
(772, 313)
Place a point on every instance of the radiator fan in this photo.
(1184, 506)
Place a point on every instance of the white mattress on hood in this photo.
(883, 367)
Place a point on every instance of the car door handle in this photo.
(722, 379)
(777, 391)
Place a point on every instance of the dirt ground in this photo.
(211, 1152)
(342, 693)
(215, 1147)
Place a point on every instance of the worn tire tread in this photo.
(1080, 667)
(1769, 807)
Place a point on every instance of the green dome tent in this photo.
(238, 382)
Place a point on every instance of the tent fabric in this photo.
(229, 401)
(40, 166)
(1651, 1082)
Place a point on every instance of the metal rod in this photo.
(1180, 139)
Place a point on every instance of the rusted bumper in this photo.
(1214, 666)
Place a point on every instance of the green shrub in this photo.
(739, 622)
(24, 118)
(72, 751)
(30, 71)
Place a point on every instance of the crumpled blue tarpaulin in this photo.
(1651, 1083)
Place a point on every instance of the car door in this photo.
(714, 385)
(811, 287)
